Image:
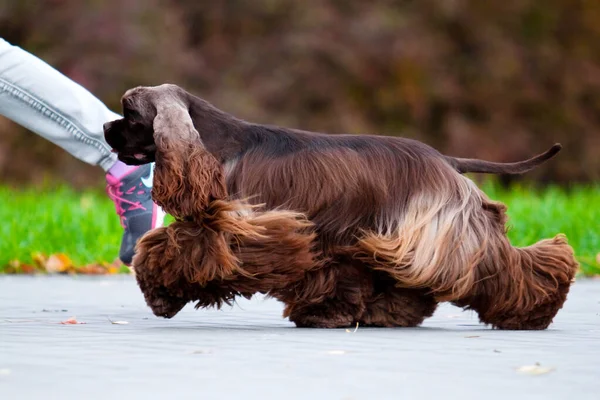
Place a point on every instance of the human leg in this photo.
(41, 99)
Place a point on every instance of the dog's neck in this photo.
(227, 137)
(224, 135)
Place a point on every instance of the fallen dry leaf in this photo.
(27, 269)
(12, 267)
(112, 270)
(536, 369)
(39, 259)
(58, 264)
(92, 269)
(17, 267)
(117, 322)
(71, 321)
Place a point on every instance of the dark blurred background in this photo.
(499, 79)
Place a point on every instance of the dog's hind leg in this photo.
(332, 313)
(391, 306)
(453, 242)
(332, 297)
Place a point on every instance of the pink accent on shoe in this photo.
(113, 189)
(154, 214)
(120, 169)
(136, 206)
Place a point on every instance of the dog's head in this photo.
(145, 110)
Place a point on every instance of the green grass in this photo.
(84, 225)
(535, 214)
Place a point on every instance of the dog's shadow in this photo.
(274, 324)
(243, 316)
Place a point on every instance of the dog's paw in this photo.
(164, 305)
(321, 316)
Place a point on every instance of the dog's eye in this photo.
(129, 113)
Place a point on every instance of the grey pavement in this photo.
(251, 352)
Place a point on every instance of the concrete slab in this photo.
(250, 352)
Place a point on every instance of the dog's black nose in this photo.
(106, 126)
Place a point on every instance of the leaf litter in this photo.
(60, 263)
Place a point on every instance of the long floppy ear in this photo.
(186, 176)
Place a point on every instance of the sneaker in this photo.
(133, 202)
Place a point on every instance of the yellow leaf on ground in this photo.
(58, 263)
(112, 270)
(13, 267)
(536, 369)
(39, 259)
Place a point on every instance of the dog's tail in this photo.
(465, 165)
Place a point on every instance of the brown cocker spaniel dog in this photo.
(343, 229)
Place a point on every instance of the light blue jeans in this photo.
(40, 98)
